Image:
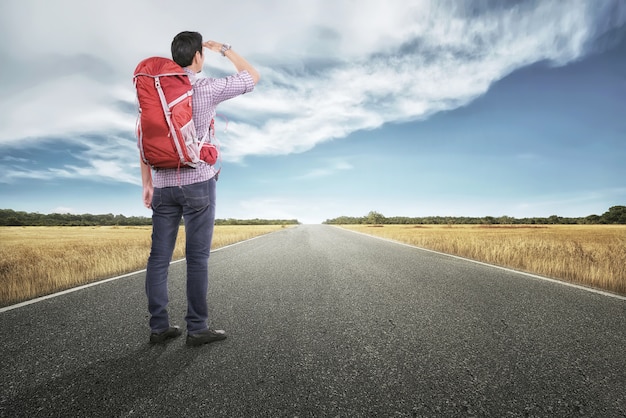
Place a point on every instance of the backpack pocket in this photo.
(209, 153)
(189, 138)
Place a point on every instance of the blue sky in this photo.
(408, 108)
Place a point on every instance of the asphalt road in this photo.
(324, 322)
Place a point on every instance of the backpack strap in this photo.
(206, 135)
(138, 127)
(167, 112)
(210, 133)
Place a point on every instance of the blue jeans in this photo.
(195, 203)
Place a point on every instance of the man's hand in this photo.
(239, 61)
(213, 46)
(148, 191)
(146, 181)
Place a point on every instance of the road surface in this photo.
(324, 322)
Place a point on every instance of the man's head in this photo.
(187, 50)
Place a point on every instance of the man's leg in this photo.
(166, 215)
(199, 215)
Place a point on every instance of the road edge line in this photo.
(84, 286)
(535, 276)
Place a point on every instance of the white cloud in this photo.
(109, 159)
(15, 160)
(329, 68)
(95, 171)
(327, 169)
(442, 60)
(63, 107)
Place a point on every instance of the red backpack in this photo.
(165, 130)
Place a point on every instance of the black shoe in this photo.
(205, 337)
(160, 337)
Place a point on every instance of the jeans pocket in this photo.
(157, 198)
(197, 195)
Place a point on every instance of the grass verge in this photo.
(36, 261)
(588, 255)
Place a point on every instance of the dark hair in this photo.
(184, 47)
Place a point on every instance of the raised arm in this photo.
(238, 61)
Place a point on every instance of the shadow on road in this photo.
(107, 387)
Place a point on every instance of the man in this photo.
(189, 193)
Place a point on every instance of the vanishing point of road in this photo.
(324, 322)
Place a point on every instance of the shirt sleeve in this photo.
(221, 89)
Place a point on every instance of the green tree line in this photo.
(615, 215)
(9, 217)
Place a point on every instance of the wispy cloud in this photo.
(438, 56)
(94, 158)
(15, 160)
(328, 70)
(66, 106)
(327, 169)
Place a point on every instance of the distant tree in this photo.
(593, 219)
(13, 221)
(615, 215)
(506, 220)
(375, 218)
(345, 220)
(554, 219)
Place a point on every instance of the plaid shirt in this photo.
(207, 94)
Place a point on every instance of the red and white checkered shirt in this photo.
(207, 94)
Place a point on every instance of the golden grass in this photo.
(36, 261)
(589, 255)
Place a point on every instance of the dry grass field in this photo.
(589, 255)
(36, 261)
